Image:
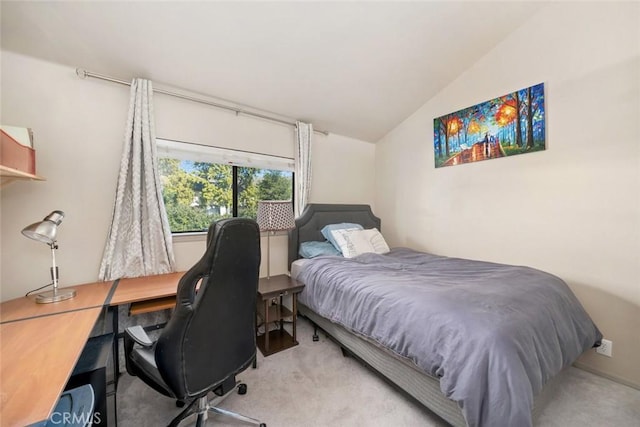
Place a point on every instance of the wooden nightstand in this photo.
(270, 309)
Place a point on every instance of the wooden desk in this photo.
(37, 356)
(88, 296)
(41, 343)
(146, 288)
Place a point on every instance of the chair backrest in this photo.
(211, 333)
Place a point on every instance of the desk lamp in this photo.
(274, 215)
(45, 231)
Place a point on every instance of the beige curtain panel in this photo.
(304, 134)
(139, 242)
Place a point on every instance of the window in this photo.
(201, 184)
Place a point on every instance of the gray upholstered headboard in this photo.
(316, 216)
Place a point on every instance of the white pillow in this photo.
(355, 242)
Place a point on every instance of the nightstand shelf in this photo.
(278, 340)
(276, 312)
(271, 309)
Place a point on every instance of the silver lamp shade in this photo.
(46, 231)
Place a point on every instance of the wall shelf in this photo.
(9, 175)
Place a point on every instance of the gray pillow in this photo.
(327, 229)
(313, 249)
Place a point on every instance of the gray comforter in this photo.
(493, 334)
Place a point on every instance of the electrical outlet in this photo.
(606, 348)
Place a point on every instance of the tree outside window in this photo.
(198, 193)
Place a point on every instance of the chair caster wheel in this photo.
(242, 389)
(179, 403)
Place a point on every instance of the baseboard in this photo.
(608, 376)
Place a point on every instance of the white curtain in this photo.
(139, 242)
(304, 133)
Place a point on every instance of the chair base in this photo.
(202, 406)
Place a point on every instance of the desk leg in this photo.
(116, 348)
(266, 325)
(254, 365)
(294, 309)
(280, 315)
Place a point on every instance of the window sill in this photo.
(274, 233)
(198, 236)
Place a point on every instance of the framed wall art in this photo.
(504, 126)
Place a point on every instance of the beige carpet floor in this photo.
(312, 384)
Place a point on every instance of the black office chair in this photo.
(210, 336)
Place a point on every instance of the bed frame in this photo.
(400, 372)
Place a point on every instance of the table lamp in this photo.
(45, 231)
(274, 215)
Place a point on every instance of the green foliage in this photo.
(196, 193)
(178, 186)
(247, 192)
(216, 188)
(274, 186)
(186, 218)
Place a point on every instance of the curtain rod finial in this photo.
(81, 73)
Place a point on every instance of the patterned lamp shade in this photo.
(275, 215)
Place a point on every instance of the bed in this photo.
(478, 343)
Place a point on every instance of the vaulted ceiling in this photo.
(354, 68)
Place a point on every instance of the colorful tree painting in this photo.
(505, 126)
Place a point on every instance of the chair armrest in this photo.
(138, 334)
(132, 336)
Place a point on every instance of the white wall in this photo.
(574, 209)
(342, 170)
(78, 132)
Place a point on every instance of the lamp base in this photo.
(55, 296)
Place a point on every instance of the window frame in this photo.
(166, 148)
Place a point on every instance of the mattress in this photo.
(297, 266)
(492, 334)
